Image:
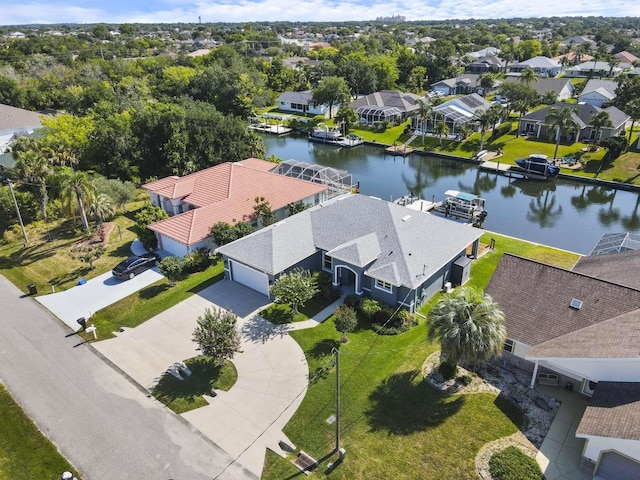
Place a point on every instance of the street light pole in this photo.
(15, 202)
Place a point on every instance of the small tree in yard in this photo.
(173, 268)
(295, 288)
(217, 335)
(88, 253)
(346, 320)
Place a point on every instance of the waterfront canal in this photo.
(565, 214)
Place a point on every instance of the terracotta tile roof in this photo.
(226, 193)
(617, 337)
(535, 299)
(614, 412)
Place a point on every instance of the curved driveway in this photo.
(272, 370)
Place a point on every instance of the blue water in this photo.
(565, 214)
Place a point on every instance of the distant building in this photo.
(394, 18)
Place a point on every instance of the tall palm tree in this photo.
(442, 130)
(468, 325)
(487, 81)
(528, 76)
(102, 207)
(483, 119)
(521, 106)
(598, 121)
(425, 110)
(613, 63)
(33, 168)
(76, 189)
(561, 119)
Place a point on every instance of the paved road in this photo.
(101, 423)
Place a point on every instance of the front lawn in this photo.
(184, 395)
(279, 313)
(393, 425)
(25, 453)
(138, 307)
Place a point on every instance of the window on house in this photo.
(508, 345)
(381, 285)
(327, 262)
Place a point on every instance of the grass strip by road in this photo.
(394, 425)
(25, 453)
(138, 307)
(185, 395)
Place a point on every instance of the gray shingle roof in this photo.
(583, 114)
(403, 101)
(594, 84)
(402, 246)
(614, 412)
(303, 98)
(621, 268)
(541, 85)
(535, 299)
(12, 118)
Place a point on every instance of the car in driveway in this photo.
(133, 266)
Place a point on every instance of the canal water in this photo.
(565, 214)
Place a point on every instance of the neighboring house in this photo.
(485, 52)
(302, 102)
(297, 63)
(223, 193)
(576, 40)
(533, 124)
(626, 57)
(582, 331)
(593, 69)
(15, 122)
(455, 113)
(463, 84)
(562, 87)
(491, 64)
(394, 254)
(414, 41)
(634, 73)
(597, 92)
(386, 105)
(543, 66)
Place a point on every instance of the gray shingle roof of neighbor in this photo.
(12, 118)
(402, 246)
(582, 115)
(594, 84)
(543, 84)
(404, 101)
(614, 412)
(536, 298)
(539, 62)
(302, 98)
(621, 268)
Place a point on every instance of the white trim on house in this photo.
(336, 281)
(384, 286)
(327, 258)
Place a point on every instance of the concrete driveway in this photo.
(272, 370)
(97, 293)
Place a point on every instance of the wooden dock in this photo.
(272, 129)
(495, 167)
(399, 150)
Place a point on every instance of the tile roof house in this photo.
(533, 124)
(585, 329)
(597, 92)
(385, 105)
(223, 193)
(302, 102)
(396, 255)
(562, 87)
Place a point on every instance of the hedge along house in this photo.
(581, 329)
(391, 253)
(223, 193)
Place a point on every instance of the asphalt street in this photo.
(101, 422)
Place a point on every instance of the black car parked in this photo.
(132, 266)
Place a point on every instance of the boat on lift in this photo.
(466, 206)
(538, 166)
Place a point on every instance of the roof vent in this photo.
(577, 304)
(406, 217)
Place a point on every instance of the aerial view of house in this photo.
(385, 105)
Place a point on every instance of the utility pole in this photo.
(15, 202)
(337, 399)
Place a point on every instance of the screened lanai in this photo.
(339, 181)
(616, 242)
(370, 114)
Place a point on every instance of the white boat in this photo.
(325, 132)
(463, 205)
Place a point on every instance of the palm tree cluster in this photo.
(469, 326)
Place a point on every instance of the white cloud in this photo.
(305, 10)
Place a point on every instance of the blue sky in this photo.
(166, 11)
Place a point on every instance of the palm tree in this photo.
(468, 325)
(613, 63)
(425, 110)
(561, 119)
(496, 112)
(528, 76)
(487, 81)
(483, 118)
(598, 121)
(33, 168)
(442, 130)
(521, 106)
(102, 207)
(75, 190)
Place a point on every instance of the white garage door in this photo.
(250, 277)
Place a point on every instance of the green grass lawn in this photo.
(279, 313)
(184, 395)
(393, 425)
(138, 307)
(25, 453)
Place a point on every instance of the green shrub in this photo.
(173, 268)
(345, 320)
(327, 291)
(502, 129)
(465, 379)
(352, 300)
(387, 330)
(383, 315)
(447, 370)
(197, 261)
(513, 464)
(369, 307)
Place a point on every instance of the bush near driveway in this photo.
(513, 464)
